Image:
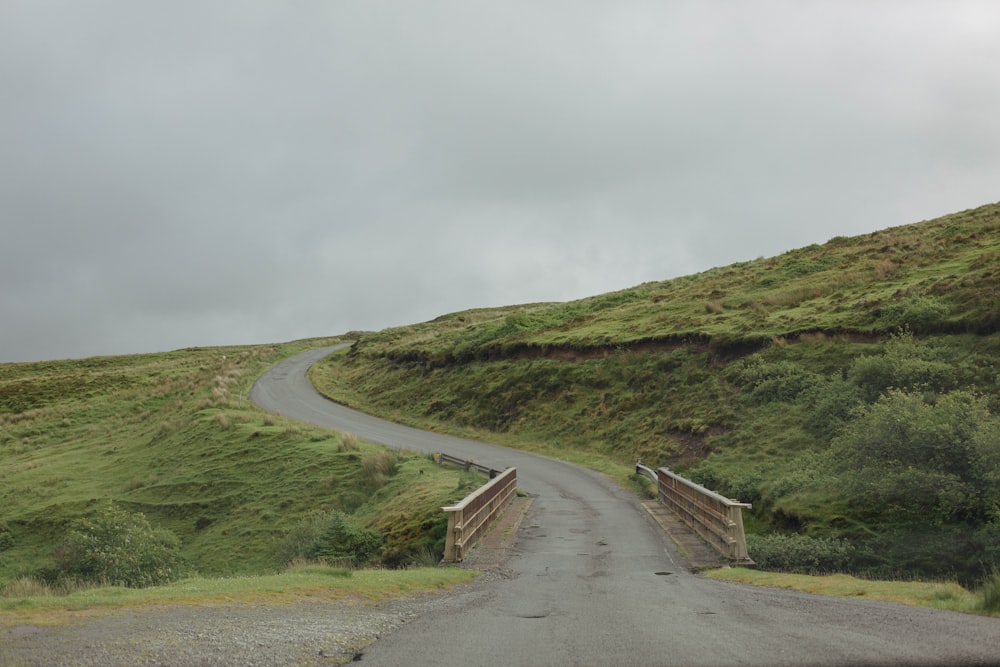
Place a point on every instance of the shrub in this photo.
(834, 402)
(741, 484)
(924, 462)
(908, 495)
(774, 381)
(330, 536)
(918, 313)
(921, 552)
(799, 554)
(120, 548)
(807, 470)
(905, 363)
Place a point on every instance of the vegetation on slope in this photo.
(849, 390)
(173, 441)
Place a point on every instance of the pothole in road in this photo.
(531, 616)
(663, 574)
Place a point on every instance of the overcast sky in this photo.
(191, 173)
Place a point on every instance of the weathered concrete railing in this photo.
(469, 519)
(717, 519)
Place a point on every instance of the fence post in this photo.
(453, 541)
(737, 537)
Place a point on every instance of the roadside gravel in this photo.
(305, 633)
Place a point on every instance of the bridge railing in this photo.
(469, 519)
(468, 464)
(717, 520)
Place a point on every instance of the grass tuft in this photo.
(989, 594)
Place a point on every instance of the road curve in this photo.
(594, 582)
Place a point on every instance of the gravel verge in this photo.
(306, 632)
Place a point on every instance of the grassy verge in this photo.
(936, 595)
(174, 437)
(302, 581)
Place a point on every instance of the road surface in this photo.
(593, 581)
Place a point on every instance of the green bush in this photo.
(118, 547)
(834, 401)
(808, 470)
(800, 554)
(742, 483)
(919, 313)
(910, 460)
(767, 381)
(330, 536)
(904, 363)
(922, 552)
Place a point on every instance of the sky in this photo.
(205, 172)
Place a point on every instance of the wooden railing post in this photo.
(737, 537)
(453, 541)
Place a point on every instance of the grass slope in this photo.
(745, 376)
(938, 276)
(173, 435)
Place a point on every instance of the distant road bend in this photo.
(595, 582)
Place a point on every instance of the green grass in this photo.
(717, 375)
(659, 372)
(173, 436)
(938, 276)
(314, 581)
(936, 595)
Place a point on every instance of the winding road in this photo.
(593, 581)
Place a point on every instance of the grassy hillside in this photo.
(765, 379)
(173, 436)
(849, 390)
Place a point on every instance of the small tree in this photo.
(331, 536)
(925, 462)
(120, 548)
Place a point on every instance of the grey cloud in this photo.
(195, 173)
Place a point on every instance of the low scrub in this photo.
(117, 547)
(800, 554)
(330, 537)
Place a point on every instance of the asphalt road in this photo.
(593, 581)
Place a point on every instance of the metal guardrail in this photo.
(469, 519)
(464, 463)
(648, 472)
(717, 520)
